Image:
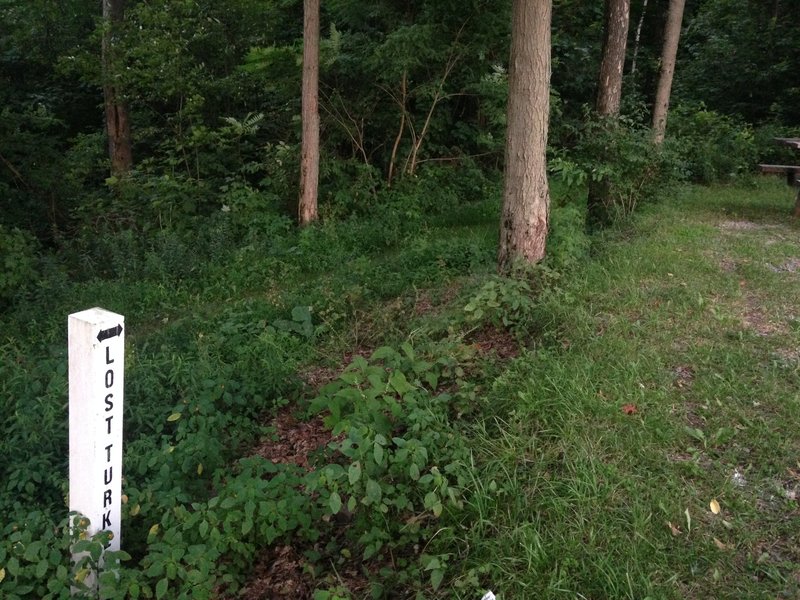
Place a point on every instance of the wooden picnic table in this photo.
(791, 142)
(792, 172)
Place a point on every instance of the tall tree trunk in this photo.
(526, 198)
(609, 91)
(609, 96)
(118, 125)
(638, 37)
(672, 34)
(309, 161)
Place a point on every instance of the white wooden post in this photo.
(96, 371)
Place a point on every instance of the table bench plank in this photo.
(792, 172)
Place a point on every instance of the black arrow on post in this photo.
(109, 333)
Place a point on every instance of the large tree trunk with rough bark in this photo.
(309, 161)
(672, 34)
(609, 96)
(609, 91)
(118, 126)
(526, 197)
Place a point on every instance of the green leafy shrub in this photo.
(347, 187)
(621, 161)
(18, 251)
(504, 302)
(713, 147)
(402, 465)
(768, 151)
(567, 242)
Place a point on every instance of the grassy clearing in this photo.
(670, 380)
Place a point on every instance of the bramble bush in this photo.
(621, 155)
(400, 465)
(18, 263)
(712, 147)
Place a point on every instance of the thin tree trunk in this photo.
(609, 97)
(526, 198)
(412, 161)
(309, 161)
(672, 35)
(118, 125)
(638, 37)
(609, 91)
(401, 129)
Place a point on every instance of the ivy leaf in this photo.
(174, 417)
(437, 575)
(378, 453)
(41, 569)
(354, 473)
(373, 491)
(335, 503)
(399, 383)
(247, 526)
(32, 551)
(161, 588)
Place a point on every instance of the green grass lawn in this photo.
(670, 380)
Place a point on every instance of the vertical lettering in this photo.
(106, 498)
(106, 519)
(108, 420)
(109, 378)
(108, 475)
(109, 403)
(109, 360)
(108, 452)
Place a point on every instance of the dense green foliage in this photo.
(227, 304)
(212, 88)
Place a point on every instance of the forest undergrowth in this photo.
(365, 410)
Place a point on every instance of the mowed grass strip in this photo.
(650, 446)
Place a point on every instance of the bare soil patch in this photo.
(756, 319)
(744, 226)
(294, 441)
(792, 265)
(278, 573)
(495, 341)
(684, 376)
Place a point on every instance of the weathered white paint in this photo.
(96, 371)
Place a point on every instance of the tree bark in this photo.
(609, 91)
(672, 34)
(309, 161)
(638, 37)
(526, 198)
(609, 97)
(118, 127)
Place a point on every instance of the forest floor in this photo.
(644, 442)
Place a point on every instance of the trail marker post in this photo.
(96, 374)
